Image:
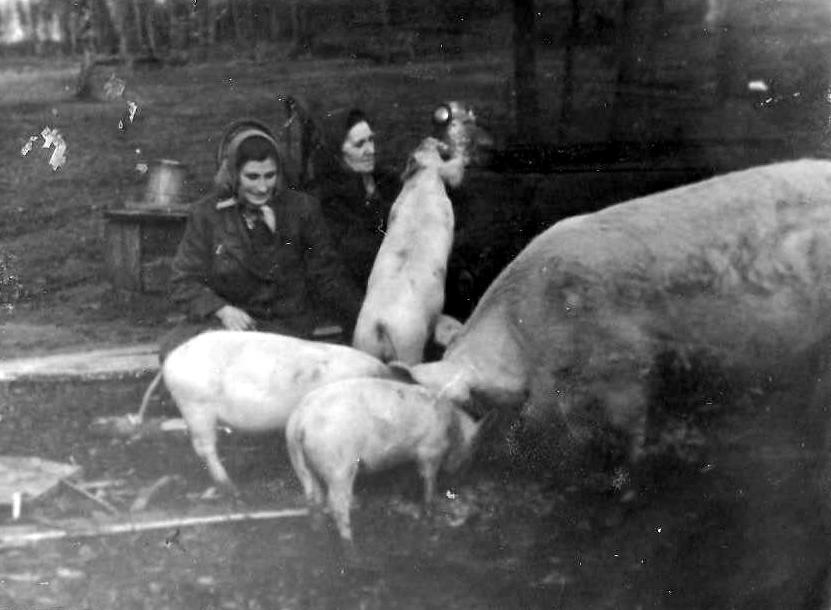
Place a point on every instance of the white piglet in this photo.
(373, 424)
(251, 381)
(405, 291)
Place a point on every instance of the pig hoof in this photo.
(209, 494)
(317, 520)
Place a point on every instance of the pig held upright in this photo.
(373, 424)
(251, 382)
(405, 291)
(735, 270)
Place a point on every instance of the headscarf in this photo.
(226, 157)
(333, 125)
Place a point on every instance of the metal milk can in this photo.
(164, 188)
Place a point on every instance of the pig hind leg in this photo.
(203, 438)
(312, 487)
(340, 490)
(428, 468)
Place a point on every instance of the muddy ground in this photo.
(511, 533)
(515, 532)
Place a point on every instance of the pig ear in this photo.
(401, 372)
(446, 329)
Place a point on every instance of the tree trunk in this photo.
(301, 34)
(136, 6)
(273, 22)
(118, 13)
(150, 30)
(210, 20)
(568, 71)
(40, 21)
(172, 25)
(69, 29)
(728, 56)
(237, 15)
(525, 71)
(635, 56)
(386, 30)
(627, 59)
(86, 35)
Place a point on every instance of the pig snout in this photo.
(372, 423)
(455, 124)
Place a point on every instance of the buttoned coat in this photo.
(216, 264)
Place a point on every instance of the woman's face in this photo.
(359, 148)
(257, 181)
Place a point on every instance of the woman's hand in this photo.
(234, 318)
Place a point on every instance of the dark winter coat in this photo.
(216, 264)
(357, 222)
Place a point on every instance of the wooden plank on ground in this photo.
(22, 535)
(92, 364)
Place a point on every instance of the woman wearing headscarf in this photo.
(255, 253)
(355, 193)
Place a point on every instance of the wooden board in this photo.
(90, 364)
(31, 476)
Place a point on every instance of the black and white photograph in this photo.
(433, 304)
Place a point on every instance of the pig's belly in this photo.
(251, 412)
(745, 329)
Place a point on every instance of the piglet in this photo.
(405, 291)
(373, 424)
(251, 381)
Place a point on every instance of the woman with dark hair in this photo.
(255, 253)
(355, 193)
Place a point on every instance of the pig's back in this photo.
(742, 215)
(378, 421)
(420, 229)
(250, 369)
(737, 264)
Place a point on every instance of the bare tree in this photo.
(301, 31)
(26, 20)
(525, 69)
(273, 21)
(240, 12)
(136, 7)
(568, 70)
(211, 10)
(68, 25)
(635, 56)
(119, 14)
(91, 33)
(87, 39)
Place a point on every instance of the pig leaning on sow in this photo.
(735, 269)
